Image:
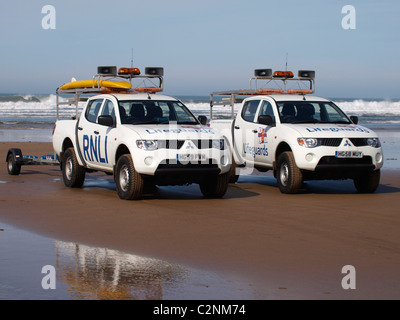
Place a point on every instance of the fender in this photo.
(78, 149)
(17, 154)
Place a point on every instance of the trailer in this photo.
(15, 159)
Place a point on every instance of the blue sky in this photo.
(204, 45)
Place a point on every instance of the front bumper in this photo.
(325, 158)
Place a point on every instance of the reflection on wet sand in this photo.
(92, 273)
(100, 273)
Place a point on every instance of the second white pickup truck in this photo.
(299, 137)
(142, 138)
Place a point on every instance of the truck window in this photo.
(266, 109)
(310, 112)
(108, 109)
(249, 110)
(92, 110)
(145, 111)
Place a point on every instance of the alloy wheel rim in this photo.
(69, 168)
(284, 174)
(124, 178)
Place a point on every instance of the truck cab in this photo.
(298, 136)
(144, 139)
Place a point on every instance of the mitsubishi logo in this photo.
(347, 143)
(189, 145)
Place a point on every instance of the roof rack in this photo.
(278, 82)
(108, 80)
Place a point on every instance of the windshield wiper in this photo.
(152, 122)
(187, 122)
(341, 122)
(306, 121)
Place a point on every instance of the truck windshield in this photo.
(155, 112)
(311, 112)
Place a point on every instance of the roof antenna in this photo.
(286, 60)
(132, 58)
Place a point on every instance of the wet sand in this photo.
(284, 246)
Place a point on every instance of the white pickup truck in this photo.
(142, 138)
(299, 137)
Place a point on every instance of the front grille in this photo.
(172, 163)
(331, 160)
(359, 142)
(177, 144)
(170, 144)
(331, 142)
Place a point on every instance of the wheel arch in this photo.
(67, 143)
(282, 147)
(122, 149)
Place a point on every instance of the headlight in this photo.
(373, 142)
(148, 145)
(218, 144)
(308, 142)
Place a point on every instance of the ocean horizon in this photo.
(30, 111)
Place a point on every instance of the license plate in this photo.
(190, 157)
(348, 154)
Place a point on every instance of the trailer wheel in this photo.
(288, 174)
(13, 168)
(215, 186)
(129, 182)
(73, 173)
(368, 182)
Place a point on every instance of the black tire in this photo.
(215, 186)
(289, 176)
(73, 173)
(128, 181)
(368, 182)
(13, 168)
(233, 177)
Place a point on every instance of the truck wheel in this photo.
(368, 182)
(128, 181)
(215, 186)
(288, 174)
(233, 177)
(12, 167)
(73, 173)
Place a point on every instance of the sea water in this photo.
(39, 111)
(31, 117)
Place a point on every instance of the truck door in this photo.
(264, 136)
(94, 137)
(243, 131)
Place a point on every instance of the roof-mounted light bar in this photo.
(128, 72)
(283, 74)
(267, 73)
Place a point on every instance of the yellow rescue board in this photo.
(96, 84)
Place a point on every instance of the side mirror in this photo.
(266, 120)
(354, 119)
(203, 120)
(106, 121)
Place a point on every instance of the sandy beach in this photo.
(285, 246)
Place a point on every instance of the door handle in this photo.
(80, 128)
(255, 131)
(96, 132)
(236, 127)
